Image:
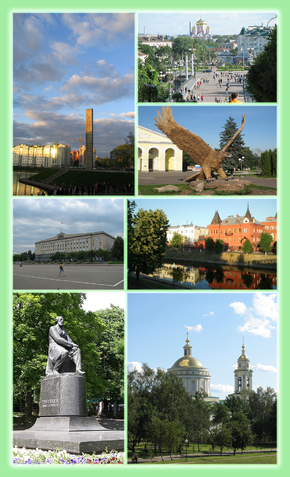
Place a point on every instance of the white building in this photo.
(190, 231)
(56, 155)
(67, 243)
(253, 37)
(156, 152)
(194, 376)
(243, 374)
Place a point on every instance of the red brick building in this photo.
(234, 230)
(271, 227)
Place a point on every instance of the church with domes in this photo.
(194, 376)
(201, 30)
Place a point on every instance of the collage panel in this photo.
(207, 151)
(97, 279)
(68, 377)
(199, 244)
(213, 57)
(202, 378)
(68, 244)
(74, 104)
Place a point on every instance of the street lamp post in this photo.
(186, 442)
(241, 162)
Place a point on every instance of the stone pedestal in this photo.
(63, 422)
(63, 395)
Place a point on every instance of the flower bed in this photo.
(38, 456)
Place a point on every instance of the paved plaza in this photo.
(173, 177)
(209, 90)
(77, 277)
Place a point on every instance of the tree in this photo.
(177, 240)
(58, 256)
(209, 244)
(265, 242)
(247, 246)
(262, 75)
(110, 345)
(219, 246)
(146, 240)
(266, 163)
(237, 148)
(117, 250)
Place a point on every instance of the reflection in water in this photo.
(223, 277)
(24, 189)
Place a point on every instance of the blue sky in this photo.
(39, 219)
(218, 321)
(66, 63)
(201, 211)
(259, 133)
(221, 23)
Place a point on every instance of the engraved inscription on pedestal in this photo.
(63, 395)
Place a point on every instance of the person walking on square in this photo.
(61, 270)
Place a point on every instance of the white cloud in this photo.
(132, 365)
(100, 301)
(211, 313)
(197, 328)
(266, 306)
(238, 307)
(256, 326)
(223, 388)
(268, 368)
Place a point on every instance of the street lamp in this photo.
(186, 442)
(241, 162)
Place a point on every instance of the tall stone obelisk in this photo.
(89, 139)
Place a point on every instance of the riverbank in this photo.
(253, 260)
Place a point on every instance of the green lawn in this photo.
(255, 458)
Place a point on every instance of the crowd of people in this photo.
(96, 189)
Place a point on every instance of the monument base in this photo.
(67, 424)
(73, 442)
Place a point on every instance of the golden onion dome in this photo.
(187, 362)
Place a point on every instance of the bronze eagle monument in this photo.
(209, 160)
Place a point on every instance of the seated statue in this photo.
(62, 351)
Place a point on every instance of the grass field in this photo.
(255, 458)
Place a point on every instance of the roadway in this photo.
(77, 277)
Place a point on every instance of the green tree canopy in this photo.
(247, 246)
(237, 148)
(146, 239)
(265, 242)
(117, 250)
(262, 75)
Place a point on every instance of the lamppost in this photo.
(186, 442)
(241, 162)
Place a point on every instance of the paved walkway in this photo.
(172, 177)
(209, 90)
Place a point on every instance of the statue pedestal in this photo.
(63, 395)
(62, 421)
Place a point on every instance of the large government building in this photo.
(67, 243)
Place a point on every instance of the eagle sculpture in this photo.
(199, 151)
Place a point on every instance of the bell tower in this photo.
(243, 373)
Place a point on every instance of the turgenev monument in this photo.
(209, 160)
(63, 421)
(89, 139)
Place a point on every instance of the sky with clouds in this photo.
(221, 22)
(217, 324)
(201, 211)
(66, 63)
(259, 132)
(104, 299)
(40, 219)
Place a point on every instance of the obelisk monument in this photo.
(89, 139)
